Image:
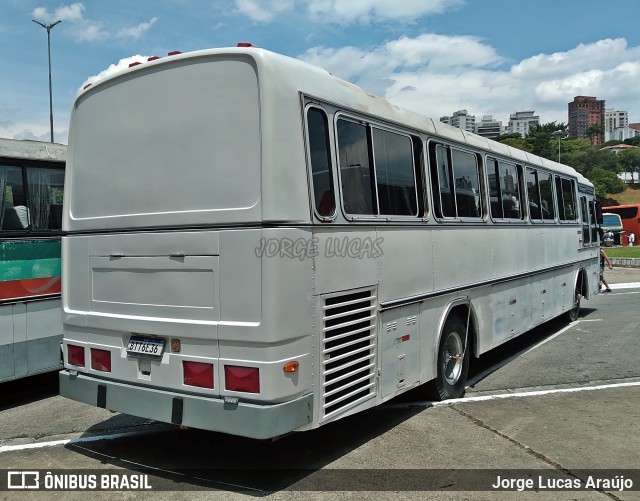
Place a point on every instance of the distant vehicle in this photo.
(630, 217)
(259, 247)
(31, 192)
(611, 222)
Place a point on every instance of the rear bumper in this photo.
(248, 420)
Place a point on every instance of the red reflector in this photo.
(406, 337)
(87, 86)
(136, 63)
(153, 58)
(75, 355)
(242, 378)
(245, 44)
(197, 374)
(174, 53)
(101, 360)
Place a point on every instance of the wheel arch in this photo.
(463, 308)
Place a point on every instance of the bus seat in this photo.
(15, 218)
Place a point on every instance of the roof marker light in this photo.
(174, 53)
(245, 44)
(87, 86)
(153, 58)
(135, 63)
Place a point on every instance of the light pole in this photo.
(560, 134)
(48, 27)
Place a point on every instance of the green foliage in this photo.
(594, 130)
(605, 181)
(633, 141)
(540, 140)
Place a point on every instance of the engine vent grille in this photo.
(348, 350)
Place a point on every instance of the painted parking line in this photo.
(630, 285)
(521, 394)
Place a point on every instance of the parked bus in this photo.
(260, 247)
(31, 193)
(611, 223)
(629, 216)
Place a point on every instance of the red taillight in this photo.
(75, 355)
(100, 360)
(242, 378)
(197, 374)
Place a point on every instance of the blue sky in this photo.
(491, 57)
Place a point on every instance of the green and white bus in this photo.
(31, 194)
(256, 246)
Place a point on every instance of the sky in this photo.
(434, 57)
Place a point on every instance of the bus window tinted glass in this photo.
(586, 233)
(46, 188)
(566, 199)
(510, 191)
(355, 169)
(535, 213)
(546, 196)
(467, 184)
(320, 154)
(393, 159)
(494, 189)
(14, 214)
(441, 182)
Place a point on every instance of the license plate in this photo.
(145, 346)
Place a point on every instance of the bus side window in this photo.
(46, 188)
(586, 231)
(546, 195)
(14, 214)
(533, 190)
(320, 157)
(441, 181)
(357, 179)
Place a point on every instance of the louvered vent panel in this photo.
(349, 338)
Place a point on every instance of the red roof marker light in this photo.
(245, 44)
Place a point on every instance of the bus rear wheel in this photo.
(573, 314)
(453, 361)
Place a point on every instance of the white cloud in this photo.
(136, 31)
(263, 10)
(347, 11)
(436, 75)
(114, 68)
(365, 11)
(80, 28)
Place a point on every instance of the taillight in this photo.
(75, 355)
(197, 374)
(100, 360)
(242, 378)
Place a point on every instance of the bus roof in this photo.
(32, 150)
(313, 81)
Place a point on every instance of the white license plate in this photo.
(145, 346)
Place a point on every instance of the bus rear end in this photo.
(164, 311)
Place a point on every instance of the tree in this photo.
(629, 160)
(540, 139)
(606, 181)
(594, 130)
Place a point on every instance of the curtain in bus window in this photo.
(586, 234)
(355, 168)
(535, 213)
(511, 199)
(569, 200)
(393, 162)
(494, 189)
(546, 195)
(467, 183)
(442, 184)
(15, 214)
(45, 197)
(3, 194)
(320, 155)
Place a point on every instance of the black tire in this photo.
(573, 314)
(453, 366)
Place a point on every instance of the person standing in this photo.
(604, 258)
(632, 239)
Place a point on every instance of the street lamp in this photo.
(560, 134)
(48, 27)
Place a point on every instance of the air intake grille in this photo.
(349, 338)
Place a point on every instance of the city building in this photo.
(462, 120)
(488, 127)
(583, 112)
(521, 121)
(614, 120)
